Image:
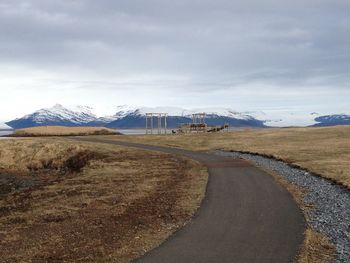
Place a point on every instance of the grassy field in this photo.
(324, 151)
(79, 202)
(62, 131)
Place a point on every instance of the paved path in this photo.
(245, 217)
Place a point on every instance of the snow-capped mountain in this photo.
(57, 115)
(331, 120)
(124, 110)
(129, 117)
(287, 118)
(134, 117)
(120, 112)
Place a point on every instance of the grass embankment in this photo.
(79, 202)
(62, 131)
(323, 151)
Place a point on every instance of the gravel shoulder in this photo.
(331, 202)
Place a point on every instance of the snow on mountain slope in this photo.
(331, 120)
(226, 112)
(121, 111)
(75, 114)
(293, 118)
(57, 115)
(124, 111)
(134, 117)
(285, 118)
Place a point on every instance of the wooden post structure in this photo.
(198, 122)
(159, 116)
(159, 124)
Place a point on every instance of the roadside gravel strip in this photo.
(331, 215)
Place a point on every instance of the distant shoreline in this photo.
(4, 133)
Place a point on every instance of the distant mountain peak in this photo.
(331, 120)
(56, 115)
(58, 106)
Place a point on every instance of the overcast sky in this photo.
(247, 55)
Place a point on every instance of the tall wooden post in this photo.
(165, 128)
(151, 124)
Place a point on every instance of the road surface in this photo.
(245, 216)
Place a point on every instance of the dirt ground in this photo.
(75, 202)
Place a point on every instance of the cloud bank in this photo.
(242, 54)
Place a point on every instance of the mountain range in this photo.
(134, 117)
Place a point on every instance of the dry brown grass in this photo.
(324, 151)
(316, 248)
(113, 204)
(62, 131)
(30, 155)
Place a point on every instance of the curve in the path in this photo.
(245, 217)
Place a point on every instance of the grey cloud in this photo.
(197, 45)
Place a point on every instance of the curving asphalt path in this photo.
(245, 216)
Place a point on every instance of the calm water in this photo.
(138, 131)
(2, 133)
